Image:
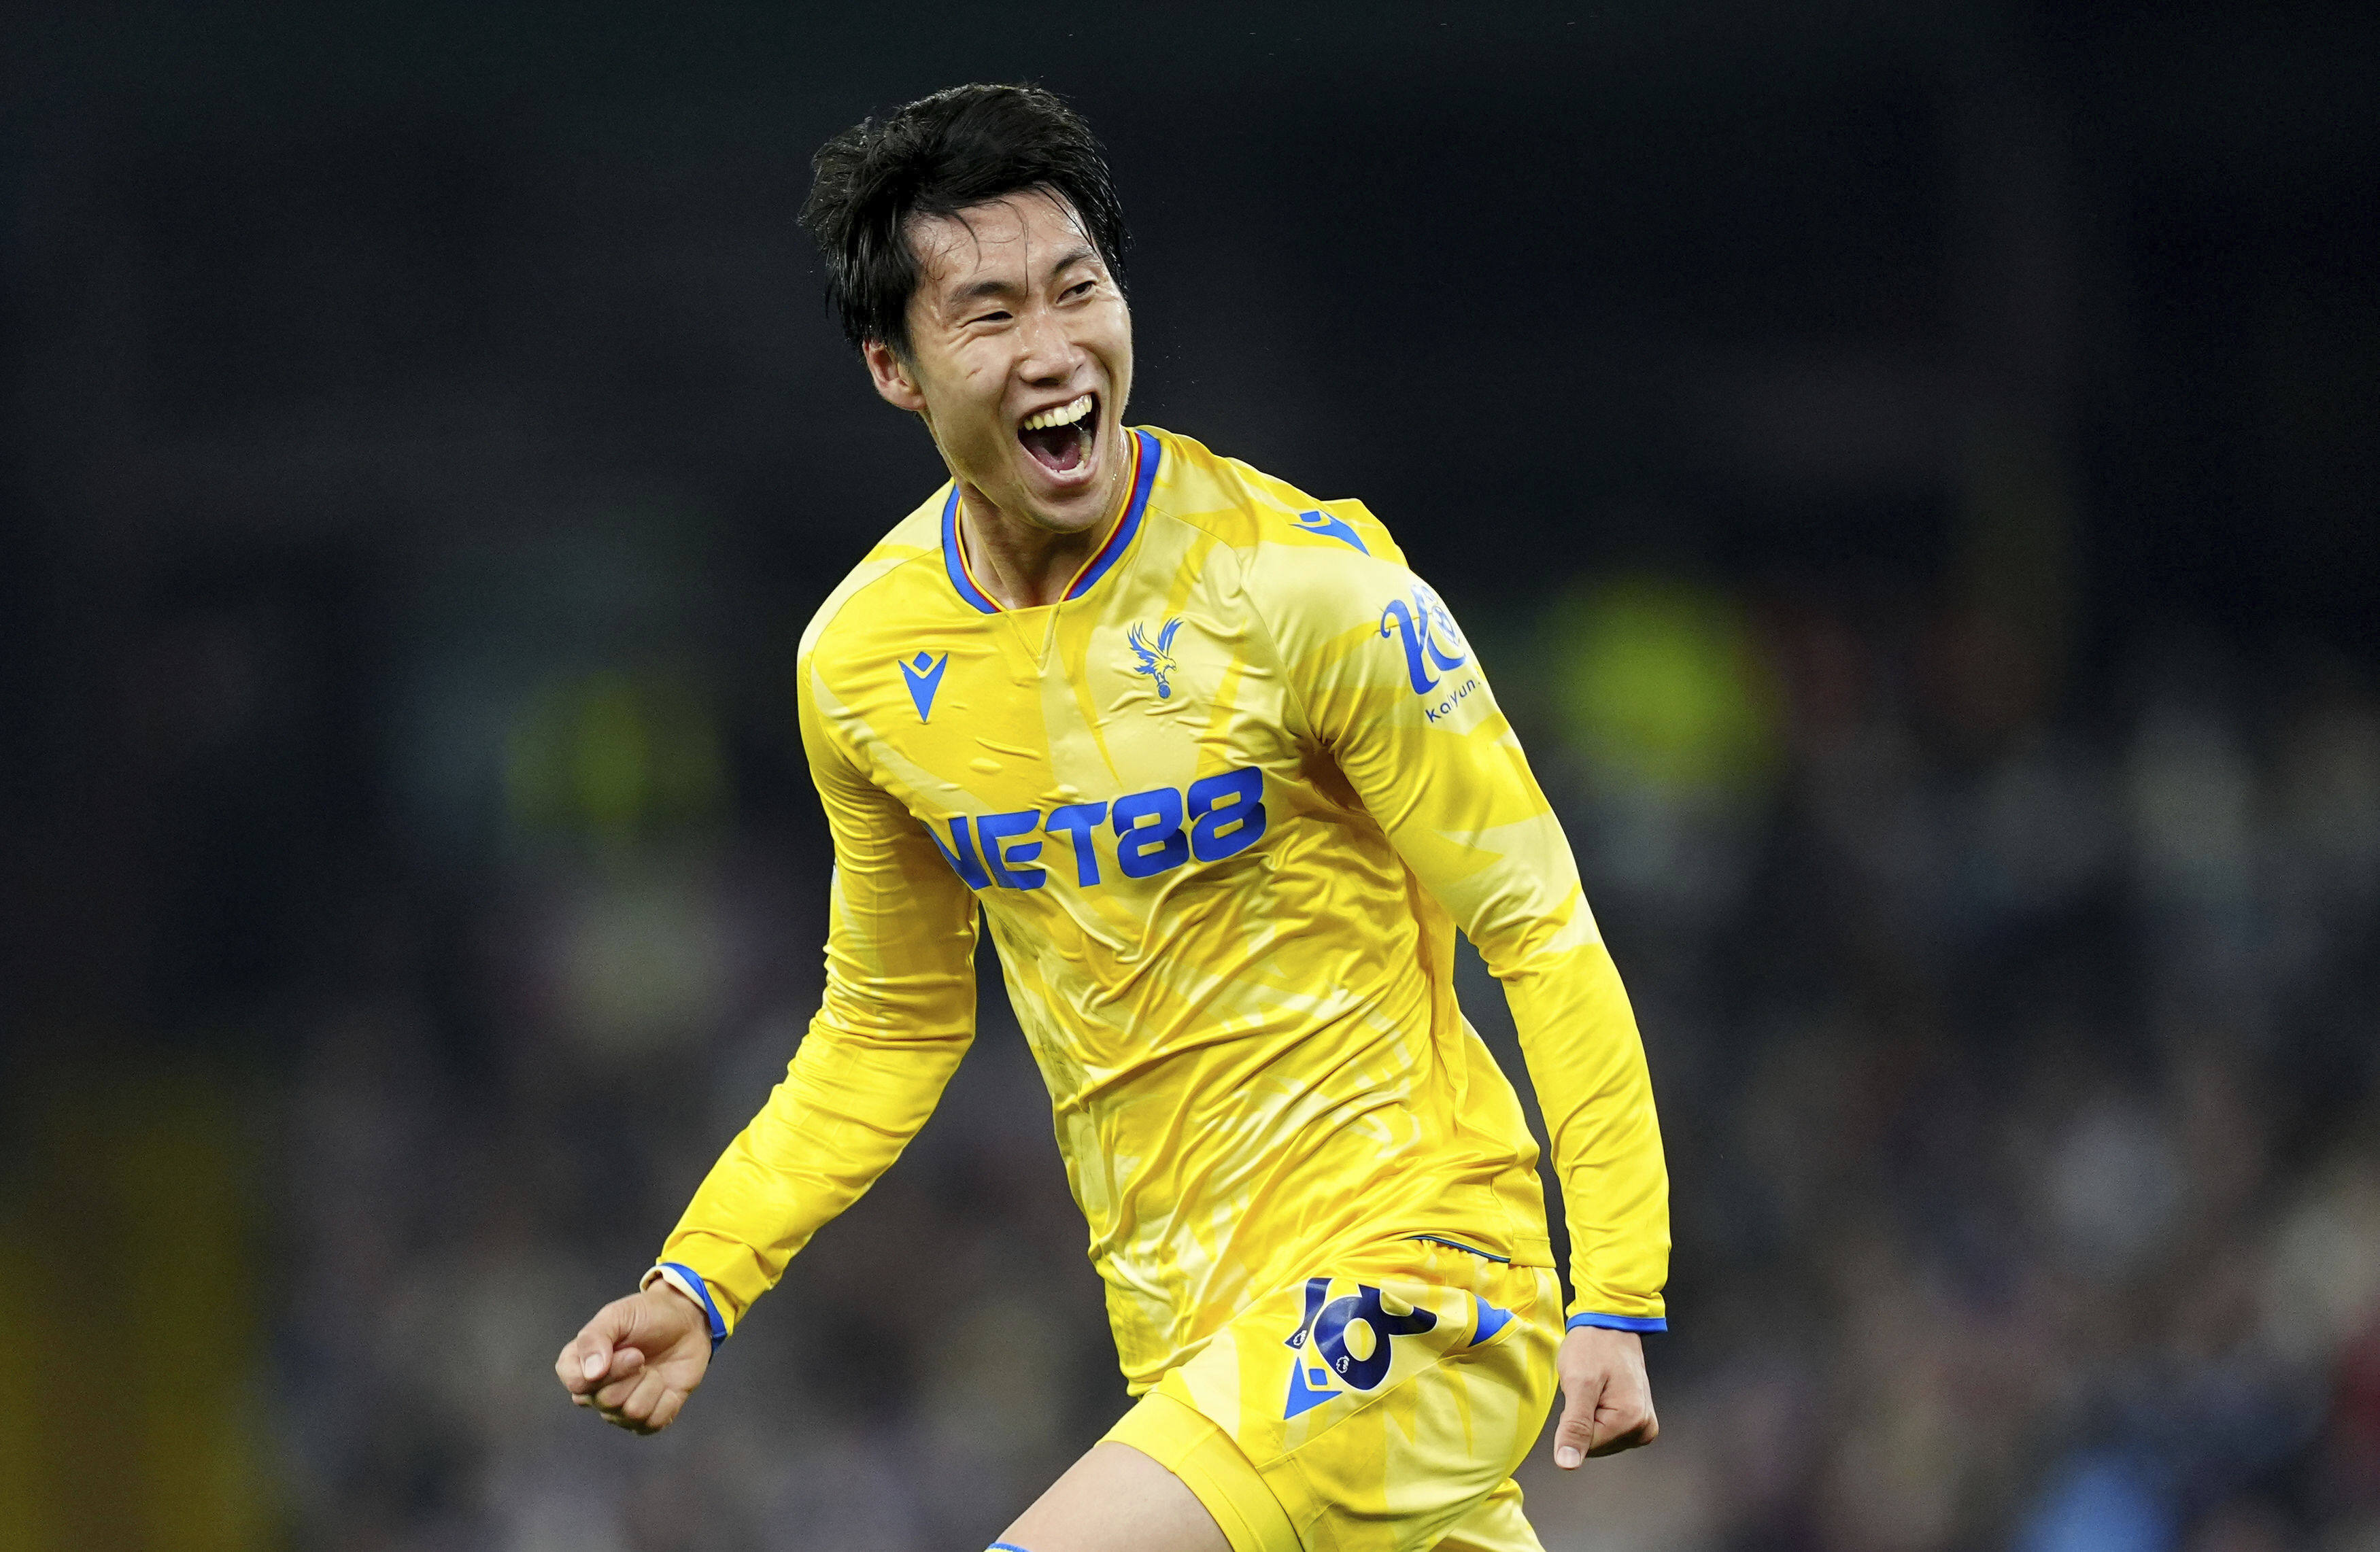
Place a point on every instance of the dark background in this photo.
(1909, 469)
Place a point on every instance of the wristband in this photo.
(1617, 1322)
(689, 1281)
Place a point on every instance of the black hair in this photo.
(937, 156)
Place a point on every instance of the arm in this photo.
(897, 1016)
(1390, 688)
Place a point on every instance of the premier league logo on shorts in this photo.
(1342, 1343)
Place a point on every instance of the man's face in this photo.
(1020, 360)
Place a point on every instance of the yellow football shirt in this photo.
(1224, 807)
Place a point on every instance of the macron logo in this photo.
(1323, 523)
(925, 677)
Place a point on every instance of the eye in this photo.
(996, 316)
(1082, 288)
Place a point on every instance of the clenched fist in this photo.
(638, 1360)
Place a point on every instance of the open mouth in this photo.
(1060, 438)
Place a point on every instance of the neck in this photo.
(1018, 562)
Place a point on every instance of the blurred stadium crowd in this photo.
(1924, 546)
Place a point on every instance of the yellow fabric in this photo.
(1416, 1453)
(1179, 1437)
(1496, 1525)
(1223, 811)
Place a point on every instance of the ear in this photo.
(891, 375)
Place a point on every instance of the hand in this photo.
(638, 1360)
(1607, 1400)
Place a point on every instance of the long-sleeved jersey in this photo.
(1223, 806)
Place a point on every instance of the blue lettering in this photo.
(1146, 849)
(1434, 712)
(1007, 862)
(960, 855)
(1078, 819)
(1227, 813)
(1156, 832)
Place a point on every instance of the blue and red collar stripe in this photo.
(1118, 538)
(1144, 477)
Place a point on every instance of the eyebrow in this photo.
(984, 290)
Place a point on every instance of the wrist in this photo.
(687, 1284)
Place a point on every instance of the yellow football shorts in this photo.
(1379, 1406)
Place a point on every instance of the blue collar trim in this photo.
(1119, 540)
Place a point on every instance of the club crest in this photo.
(1156, 661)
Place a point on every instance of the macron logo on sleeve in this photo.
(925, 677)
(1324, 523)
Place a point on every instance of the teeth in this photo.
(1064, 415)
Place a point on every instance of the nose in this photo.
(1048, 354)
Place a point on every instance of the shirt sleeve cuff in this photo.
(689, 1281)
(1618, 1322)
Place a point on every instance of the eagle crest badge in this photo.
(1155, 660)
